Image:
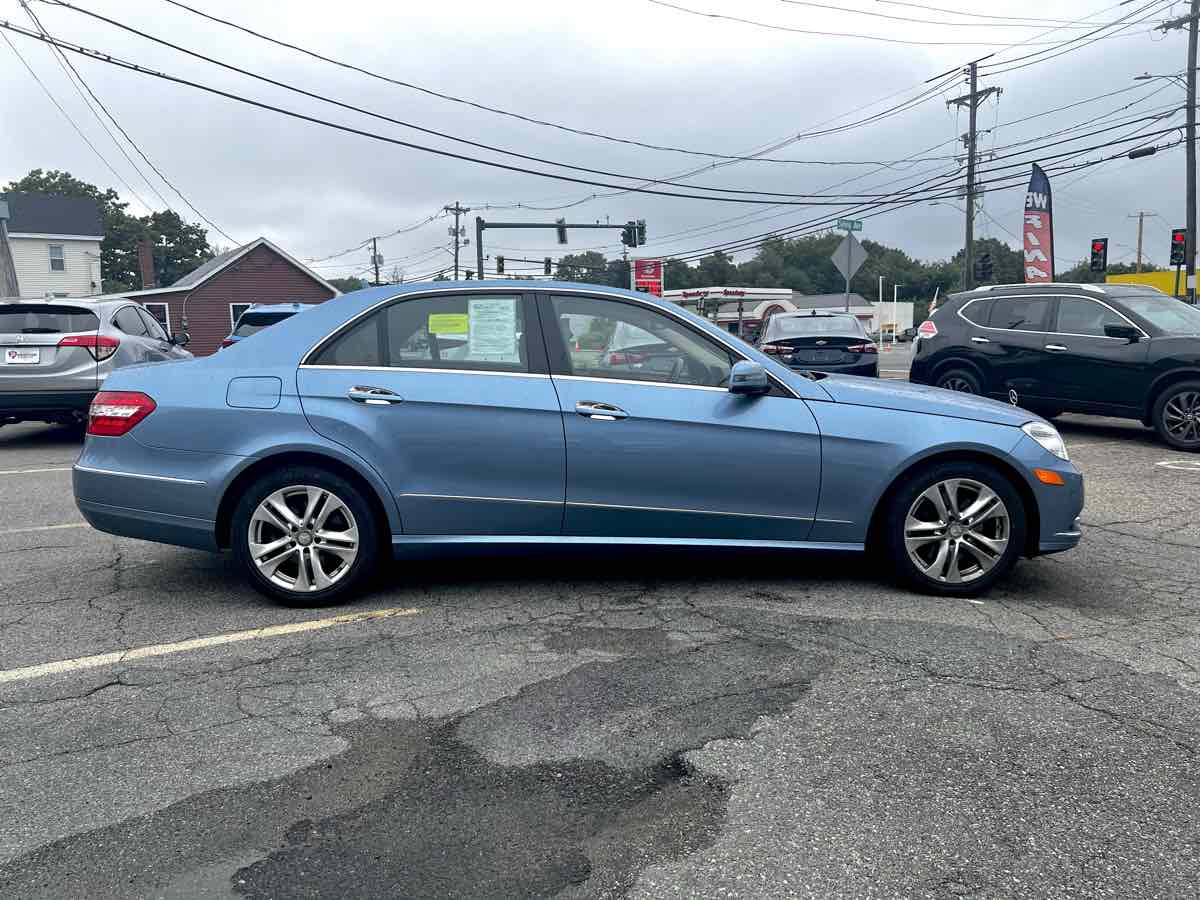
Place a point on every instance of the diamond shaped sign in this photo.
(849, 256)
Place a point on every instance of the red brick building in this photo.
(207, 301)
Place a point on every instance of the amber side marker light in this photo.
(1046, 476)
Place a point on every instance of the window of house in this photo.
(235, 313)
(159, 311)
(58, 259)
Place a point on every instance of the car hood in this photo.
(918, 398)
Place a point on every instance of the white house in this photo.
(55, 244)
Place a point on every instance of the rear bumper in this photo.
(868, 369)
(39, 404)
(146, 525)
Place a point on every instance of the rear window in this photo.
(44, 318)
(252, 322)
(790, 326)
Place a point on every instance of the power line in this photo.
(120, 63)
(403, 229)
(131, 141)
(838, 34)
(939, 22)
(83, 137)
(974, 15)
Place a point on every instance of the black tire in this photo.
(1176, 416)
(894, 532)
(349, 578)
(962, 380)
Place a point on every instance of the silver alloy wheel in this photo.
(303, 538)
(957, 530)
(954, 383)
(1181, 416)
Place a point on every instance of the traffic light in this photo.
(983, 268)
(1099, 255)
(499, 265)
(641, 232)
(546, 264)
(470, 274)
(1179, 247)
(629, 234)
(561, 225)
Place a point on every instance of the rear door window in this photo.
(1021, 313)
(153, 329)
(46, 318)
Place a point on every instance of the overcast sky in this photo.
(628, 68)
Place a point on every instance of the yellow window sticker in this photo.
(447, 323)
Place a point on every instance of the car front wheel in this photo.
(1177, 416)
(305, 536)
(955, 528)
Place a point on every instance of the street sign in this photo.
(850, 224)
(849, 256)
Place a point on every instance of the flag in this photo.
(1038, 229)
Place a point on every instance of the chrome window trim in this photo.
(959, 312)
(666, 384)
(94, 471)
(488, 499)
(349, 323)
(1093, 288)
(425, 370)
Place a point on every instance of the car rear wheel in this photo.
(1177, 416)
(305, 536)
(960, 380)
(955, 528)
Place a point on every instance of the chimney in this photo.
(145, 253)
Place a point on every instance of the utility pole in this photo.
(1141, 217)
(458, 209)
(972, 101)
(375, 259)
(1190, 20)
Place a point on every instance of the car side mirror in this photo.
(181, 339)
(1125, 332)
(748, 378)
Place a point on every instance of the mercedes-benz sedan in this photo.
(466, 413)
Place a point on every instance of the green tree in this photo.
(179, 247)
(590, 267)
(346, 285)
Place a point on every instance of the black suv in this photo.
(1111, 350)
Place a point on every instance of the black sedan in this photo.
(823, 342)
(1111, 350)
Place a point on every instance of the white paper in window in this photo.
(492, 335)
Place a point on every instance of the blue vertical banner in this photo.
(1038, 229)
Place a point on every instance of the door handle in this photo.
(605, 412)
(980, 340)
(1056, 348)
(374, 396)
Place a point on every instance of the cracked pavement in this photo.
(705, 724)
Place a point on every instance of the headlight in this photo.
(1048, 437)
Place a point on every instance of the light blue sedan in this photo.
(499, 413)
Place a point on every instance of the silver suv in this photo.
(56, 353)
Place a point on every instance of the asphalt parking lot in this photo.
(696, 725)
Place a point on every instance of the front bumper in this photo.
(1058, 505)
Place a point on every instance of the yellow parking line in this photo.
(121, 656)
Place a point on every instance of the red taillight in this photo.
(774, 349)
(101, 346)
(927, 329)
(228, 342)
(619, 358)
(862, 348)
(114, 413)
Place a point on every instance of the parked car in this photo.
(262, 315)
(311, 454)
(57, 353)
(824, 342)
(1113, 350)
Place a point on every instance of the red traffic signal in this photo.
(1178, 246)
(1099, 254)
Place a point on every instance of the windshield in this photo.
(1165, 313)
(790, 326)
(253, 322)
(41, 318)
